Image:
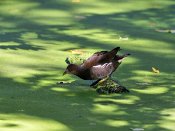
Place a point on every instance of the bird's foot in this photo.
(95, 84)
(99, 82)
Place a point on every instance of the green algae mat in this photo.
(36, 36)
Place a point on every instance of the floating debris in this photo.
(155, 70)
(137, 129)
(165, 31)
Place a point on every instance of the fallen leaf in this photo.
(76, 52)
(155, 70)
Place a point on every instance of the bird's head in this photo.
(71, 69)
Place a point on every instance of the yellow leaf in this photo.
(76, 52)
(155, 70)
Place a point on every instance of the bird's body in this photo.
(93, 73)
(100, 65)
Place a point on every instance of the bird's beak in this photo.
(65, 72)
(120, 60)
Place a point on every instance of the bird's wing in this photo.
(100, 58)
(100, 53)
(94, 60)
(102, 71)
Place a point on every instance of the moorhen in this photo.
(99, 66)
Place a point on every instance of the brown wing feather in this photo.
(101, 52)
(100, 58)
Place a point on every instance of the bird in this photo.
(97, 67)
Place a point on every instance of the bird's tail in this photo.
(115, 50)
(125, 55)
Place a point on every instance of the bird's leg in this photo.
(104, 80)
(98, 82)
(94, 84)
(103, 86)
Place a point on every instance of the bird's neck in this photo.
(82, 72)
(77, 69)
